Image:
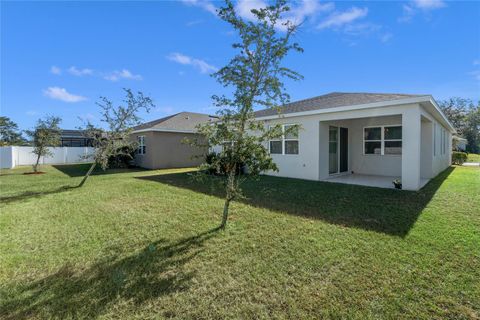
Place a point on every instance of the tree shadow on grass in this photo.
(34, 194)
(158, 270)
(79, 170)
(388, 211)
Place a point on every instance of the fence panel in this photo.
(23, 156)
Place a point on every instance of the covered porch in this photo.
(374, 148)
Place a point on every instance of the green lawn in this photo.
(143, 244)
(473, 157)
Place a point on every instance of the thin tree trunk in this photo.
(87, 174)
(225, 214)
(229, 196)
(35, 166)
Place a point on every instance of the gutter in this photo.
(163, 130)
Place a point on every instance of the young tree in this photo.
(9, 133)
(256, 76)
(116, 140)
(45, 134)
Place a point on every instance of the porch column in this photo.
(323, 151)
(411, 137)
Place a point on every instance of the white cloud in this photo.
(297, 14)
(204, 4)
(55, 70)
(340, 19)
(476, 74)
(123, 74)
(31, 113)
(193, 23)
(62, 94)
(386, 37)
(201, 65)
(411, 9)
(476, 62)
(80, 72)
(429, 4)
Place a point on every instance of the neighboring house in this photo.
(161, 142)
(74, 138)
(459, 143)
(362, 138)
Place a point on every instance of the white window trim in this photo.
(141, 144)
(382, 140)
(282, 139)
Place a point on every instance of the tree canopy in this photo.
(255, 74)
(10, 134)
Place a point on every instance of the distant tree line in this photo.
(464, 115)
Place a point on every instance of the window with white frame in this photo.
(382, 140)
(287, 143)
(141, 145)
(444, 141)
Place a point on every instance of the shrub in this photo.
(217, 166)
(459, 157)
(122, 159)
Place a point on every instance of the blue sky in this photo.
(59, 57)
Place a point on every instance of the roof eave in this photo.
(163, 130)
(389, 103)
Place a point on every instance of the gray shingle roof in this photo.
(183, 121)
(333, 100)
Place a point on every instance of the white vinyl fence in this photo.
(12, 156)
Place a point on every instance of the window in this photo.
(287, 143)
(444, 141)
(291, 139)
(392, 140)
(373, 140)
(141, 145)
(383, 140)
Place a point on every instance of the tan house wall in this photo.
(166, 150)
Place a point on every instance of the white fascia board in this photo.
(163, 130)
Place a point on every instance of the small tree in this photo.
(255, 73)
(116, 140)
(45, 134)
(9, 133)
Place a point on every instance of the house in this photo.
(459, 143)
(161, 142)
(74, 138)
(362, 138)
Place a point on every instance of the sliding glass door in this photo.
(333, 150)
(337, 150)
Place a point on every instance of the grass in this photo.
(143, 244)
(473, 157)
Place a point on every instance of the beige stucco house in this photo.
(161, 141)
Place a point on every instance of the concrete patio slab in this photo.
(368, 180)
